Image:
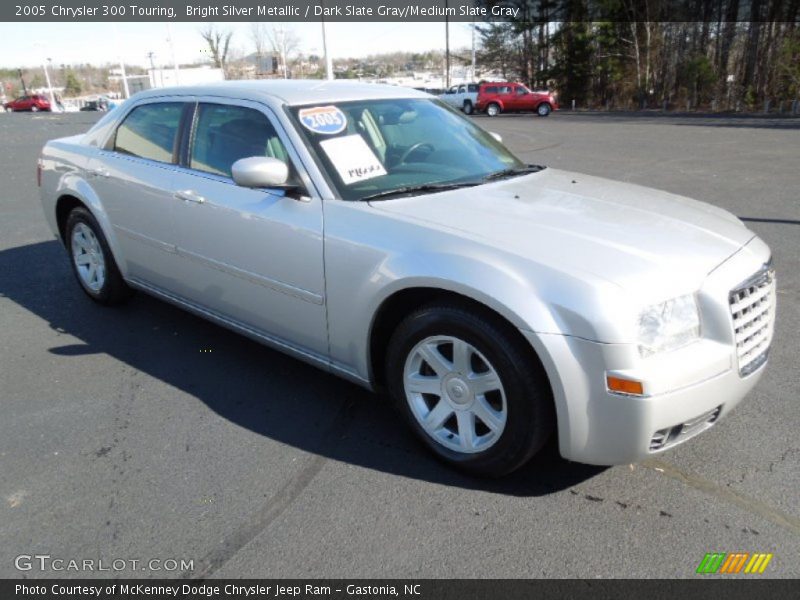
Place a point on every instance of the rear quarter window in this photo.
(149, 131)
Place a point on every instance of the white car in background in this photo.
(380, 236)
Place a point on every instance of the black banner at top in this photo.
(401, 10)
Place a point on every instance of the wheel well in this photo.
(64, 206)
(401, 304)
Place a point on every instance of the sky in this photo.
(30, 44)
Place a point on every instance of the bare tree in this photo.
(285, 43)
(260, 38)
(219, 43)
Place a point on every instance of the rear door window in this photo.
(150, 131)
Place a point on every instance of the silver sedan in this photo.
(382, 236)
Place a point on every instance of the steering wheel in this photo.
(413, 149)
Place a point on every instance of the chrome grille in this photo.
(753, 310)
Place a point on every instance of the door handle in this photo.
(98, 173)
(189, 196)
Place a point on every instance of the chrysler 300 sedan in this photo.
(380, 235)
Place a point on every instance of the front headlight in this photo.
(668, 325)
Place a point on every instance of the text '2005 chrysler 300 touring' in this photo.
(382, 236)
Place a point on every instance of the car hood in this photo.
(629, 235)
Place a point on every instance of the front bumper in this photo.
(603, 428)
(686, 391)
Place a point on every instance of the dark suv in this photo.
(497, 97)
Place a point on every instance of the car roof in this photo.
(291, 91)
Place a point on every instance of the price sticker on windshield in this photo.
(352, 158)
(327, 120)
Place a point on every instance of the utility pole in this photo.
(446, 47)
(49, 84)
(22, 79)
(473, 50)
(328, 57)
(280, 34)
(150, 55)
(172, 51)
(122, 68)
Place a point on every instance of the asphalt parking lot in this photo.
(145, 433)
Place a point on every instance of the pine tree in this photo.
(72, 87)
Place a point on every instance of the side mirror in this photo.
(260, 171)
(496, 136)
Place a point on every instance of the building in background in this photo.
(170, 77)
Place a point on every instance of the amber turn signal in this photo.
(625, 386)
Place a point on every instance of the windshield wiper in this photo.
(506, 173)
(430, 188)
(427, 188)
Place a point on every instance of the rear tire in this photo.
(468, 108)
(470, 390)
(493, 109)
(34, 108)
(91, 259)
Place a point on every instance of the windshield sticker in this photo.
(352, 158)
(327, 120)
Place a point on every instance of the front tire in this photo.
(543, 109)
(493, 109)
(470, 390)
(92, 261)
(34, 108)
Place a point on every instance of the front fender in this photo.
(369, 258)
(354, 305)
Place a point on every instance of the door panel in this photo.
(137, 197)
(253, 255)
(134, 181)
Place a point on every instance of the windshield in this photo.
(370, 148)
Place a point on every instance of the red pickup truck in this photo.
(33, 102)
(497, 97)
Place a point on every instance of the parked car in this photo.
(495, 98)
(90, 106)
(374, 233)
(99, 103)
(32, 102)
(463, 97)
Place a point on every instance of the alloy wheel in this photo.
(455, 394)
(88, 257)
